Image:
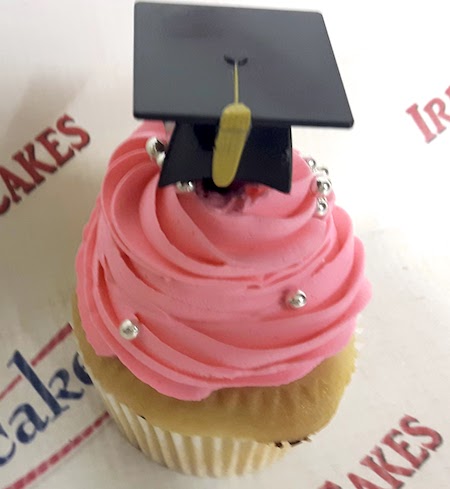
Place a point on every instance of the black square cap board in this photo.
(234, 80)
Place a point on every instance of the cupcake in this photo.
(216, 303)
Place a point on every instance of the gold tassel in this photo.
(234, 128)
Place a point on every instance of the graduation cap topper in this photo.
(234, 80)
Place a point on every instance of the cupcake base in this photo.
(192, 455)
(233, 431)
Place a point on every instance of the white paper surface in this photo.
(75, 58)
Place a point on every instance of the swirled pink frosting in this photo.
(207, 278)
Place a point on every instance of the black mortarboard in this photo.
(187, 60)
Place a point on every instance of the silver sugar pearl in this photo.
(185, 187)
(311, 163)
(323, 185)
(321, 206)
(297, 300)
(156, 149)
(160, 159)
(129, 330)
(321, 169)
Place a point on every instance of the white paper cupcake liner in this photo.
(192, 455)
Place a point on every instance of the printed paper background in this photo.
(391, 172)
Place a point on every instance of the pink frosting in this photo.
(207, 278)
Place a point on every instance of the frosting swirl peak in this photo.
(206, 276)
